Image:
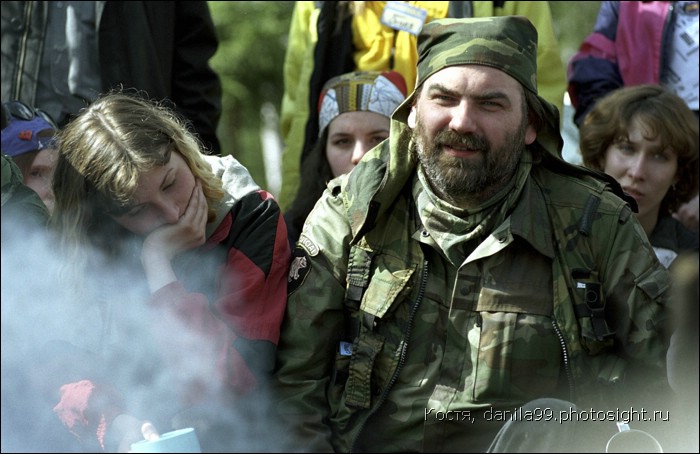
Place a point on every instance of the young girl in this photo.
(133, 184)
(354, 115)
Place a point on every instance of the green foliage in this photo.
(252, 43)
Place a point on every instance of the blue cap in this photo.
(22, 136)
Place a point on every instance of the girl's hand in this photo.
(187, 233)
(149, 431)
(165, 242)
(130, 429)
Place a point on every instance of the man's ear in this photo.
(411, 121)
(530, 134)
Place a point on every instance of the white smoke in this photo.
(52, 336)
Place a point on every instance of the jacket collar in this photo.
(237, 183)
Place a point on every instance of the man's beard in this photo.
(468, 182)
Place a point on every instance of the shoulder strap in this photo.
(575, 256)
(593, 305)
(566, 168)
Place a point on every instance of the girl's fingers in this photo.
(149, 431)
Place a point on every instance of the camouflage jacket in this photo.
(387, 346)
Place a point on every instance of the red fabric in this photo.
(261, 316)
(87, 409)
(250, 304)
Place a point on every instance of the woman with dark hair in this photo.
(354, 116)
(647, 139)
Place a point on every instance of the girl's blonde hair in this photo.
(102, 154)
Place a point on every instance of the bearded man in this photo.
(463, 272)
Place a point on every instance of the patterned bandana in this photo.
(371, 91)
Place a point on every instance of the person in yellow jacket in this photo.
(330, 38)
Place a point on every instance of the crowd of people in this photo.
(434, 276)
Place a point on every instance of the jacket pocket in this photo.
(371, 361)
(515, 349)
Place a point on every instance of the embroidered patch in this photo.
(309, 245)
(298, 270)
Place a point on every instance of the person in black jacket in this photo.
(58, 56)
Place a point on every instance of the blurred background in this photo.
(249, 60)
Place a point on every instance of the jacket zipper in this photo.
(565, 359)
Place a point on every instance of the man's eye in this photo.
(490, 104)
(442, 98)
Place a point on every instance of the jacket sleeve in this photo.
(298, 66)
(241, 326)
(312, 327)
(637, 289)
(593, 71)
(638, 293)
(253, 292)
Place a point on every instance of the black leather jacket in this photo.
(160, 47)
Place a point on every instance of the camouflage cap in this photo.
(507, 43)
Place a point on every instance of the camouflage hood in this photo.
(507, 43)
(377, 180)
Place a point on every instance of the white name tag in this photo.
(404, 17)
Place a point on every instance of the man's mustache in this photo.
(451, 138)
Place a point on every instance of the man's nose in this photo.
(462, 120)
